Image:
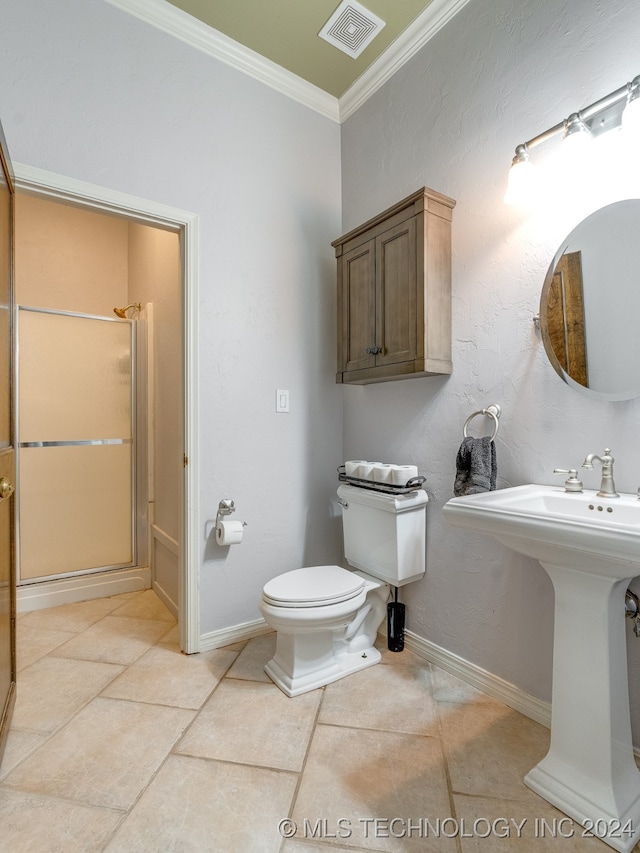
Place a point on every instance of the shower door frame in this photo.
(58, 187)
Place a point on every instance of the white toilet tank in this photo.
(384, 535)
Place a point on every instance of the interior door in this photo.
(7, 454)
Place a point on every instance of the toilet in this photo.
(327, 617)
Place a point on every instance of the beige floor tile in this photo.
(105, 756)
(194, 806)
(252, 659)
(236, 647)
(34, 643)
(73, 617)
(165, 676)
(505, 825)
(403, 658)
(114, 640)
(490, 748)
(35, 824)
(449, 688)
(313, 846)
(367, 779)
(52, 690)
(393, 698)
(74, 764)
(19, 745)
(172, 637)
(125, 596)
(253, 723)
(146, 605)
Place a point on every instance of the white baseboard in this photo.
(480, 678)
(226, 636)
(37, 596)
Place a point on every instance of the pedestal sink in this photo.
(590, 547)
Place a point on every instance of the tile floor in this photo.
(121, 743)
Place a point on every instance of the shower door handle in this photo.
(6, 488)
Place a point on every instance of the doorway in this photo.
(170, 550)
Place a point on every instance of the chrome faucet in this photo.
(607, 486)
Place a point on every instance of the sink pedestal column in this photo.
(590, 773)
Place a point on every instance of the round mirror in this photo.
(590, 305)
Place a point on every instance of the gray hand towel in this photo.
(476, 466)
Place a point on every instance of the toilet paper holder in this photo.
(228, 532)
(225, 508)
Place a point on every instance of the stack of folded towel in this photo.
(476, 466)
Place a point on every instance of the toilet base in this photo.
(318, 645)
(339, 667)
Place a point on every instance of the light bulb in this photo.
(520, 187)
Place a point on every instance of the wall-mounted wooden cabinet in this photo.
(394, 292)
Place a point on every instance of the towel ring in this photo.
(492, 411)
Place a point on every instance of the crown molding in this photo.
(195, 33)
(175, 22)
(426, 25)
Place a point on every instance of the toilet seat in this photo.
(313, 586)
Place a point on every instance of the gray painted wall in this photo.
(92, 93)
(498, 74)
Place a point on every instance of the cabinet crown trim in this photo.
(423, 199)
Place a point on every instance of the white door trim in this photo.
(48, 184)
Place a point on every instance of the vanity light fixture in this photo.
(621, 107)
(576, 131)
(631, 115)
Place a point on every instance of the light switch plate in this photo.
(282, 401)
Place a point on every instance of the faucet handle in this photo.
(572, 483)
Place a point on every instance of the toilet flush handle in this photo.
(346, 505)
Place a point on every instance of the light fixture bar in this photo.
(602, 109)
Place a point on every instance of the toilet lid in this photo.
(313, 586)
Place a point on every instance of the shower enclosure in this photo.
(78, 461)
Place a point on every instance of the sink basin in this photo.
(590, 548)
(601, 535)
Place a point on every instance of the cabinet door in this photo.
(358, 307)
(396, 272)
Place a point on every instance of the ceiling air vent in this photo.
(351, 28)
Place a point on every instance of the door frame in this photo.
(60, 188)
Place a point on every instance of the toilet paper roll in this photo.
(229, 532)
(382, 472)
(351, 467)
(365, 471)
(401, 474)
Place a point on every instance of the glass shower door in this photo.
(76, 452)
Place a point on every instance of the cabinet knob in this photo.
(374, 350)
